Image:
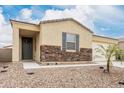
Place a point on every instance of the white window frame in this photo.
(71, 50)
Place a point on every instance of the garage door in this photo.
(5, 55)
(97, 56)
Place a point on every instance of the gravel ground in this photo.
(71, 77)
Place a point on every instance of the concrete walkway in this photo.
(73, 65)
(34, 65)
(30, 65)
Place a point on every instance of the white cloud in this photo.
(2, 19)
(26, 16)
(6, 35)
(37, 11)
(25, 13)
(109, 14)
(5, 31)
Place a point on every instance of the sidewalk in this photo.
(116, 64)
(73, 65)
(34, 65)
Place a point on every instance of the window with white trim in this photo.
(70, 41)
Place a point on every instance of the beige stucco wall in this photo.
(104, 40)
(37, 52)
(15, 48)
(25, 26)
(52, 33)
(20, 48)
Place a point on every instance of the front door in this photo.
(27, 45)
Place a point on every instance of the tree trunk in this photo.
(108, 66)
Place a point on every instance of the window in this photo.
(70, 41)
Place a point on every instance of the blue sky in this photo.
(102, 20)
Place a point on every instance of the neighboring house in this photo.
(6, 54)
(121, 45)
(61, 40)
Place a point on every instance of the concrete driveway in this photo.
(116, 64)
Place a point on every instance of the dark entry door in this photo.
(27, 48)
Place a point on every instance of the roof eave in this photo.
(106, 37)
(11, 20)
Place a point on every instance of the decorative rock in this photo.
(101, 67)
(65, 77)
(47, 63)
(3, 71)
(30, 73)
(5, 67)
(121, 82)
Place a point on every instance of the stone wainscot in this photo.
(55, 53)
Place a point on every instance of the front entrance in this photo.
(27, 48)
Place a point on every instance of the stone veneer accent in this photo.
(54, 53)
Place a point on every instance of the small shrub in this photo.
(101, 67)
(71, 79)
(121, 83)
(5, 67)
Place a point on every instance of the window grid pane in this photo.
(70, 41)
(70, 46)
(71, 38)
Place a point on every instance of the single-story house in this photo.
(6, 54)
(60, 40)
(121, 43)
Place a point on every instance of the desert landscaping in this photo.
(13, 75)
